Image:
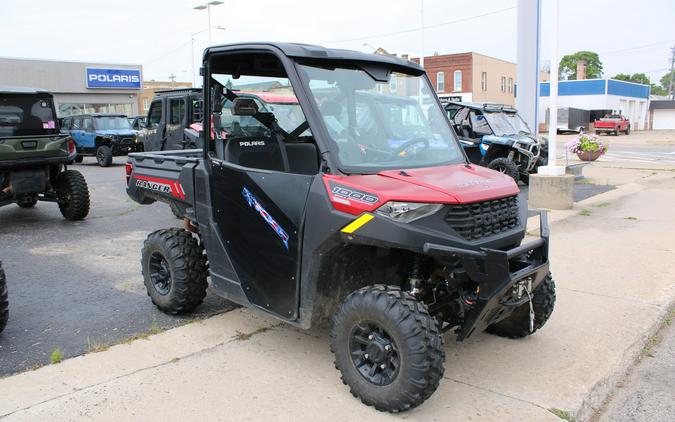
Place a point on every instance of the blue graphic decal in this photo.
(253, 202)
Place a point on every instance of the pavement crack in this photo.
(641, 302)
(497, 393)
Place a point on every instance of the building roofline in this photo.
(68, 61)
(595, 79)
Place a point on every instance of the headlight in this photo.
(405, 212)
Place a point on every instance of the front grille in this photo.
(483, 219)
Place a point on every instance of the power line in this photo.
(406, 31)
(639, 47)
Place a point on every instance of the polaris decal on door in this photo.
(253, 202)
(170, 187)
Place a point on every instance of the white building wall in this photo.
(635, 109)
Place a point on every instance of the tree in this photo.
(568, 65)
(665, 81)
(638, 78)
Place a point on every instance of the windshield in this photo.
(111, 123)
(289, 115)
(382, 125)
(25, 115)
(504, 124)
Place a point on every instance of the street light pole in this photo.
(207, 6)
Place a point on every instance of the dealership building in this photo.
(598, 97)
(78, 87)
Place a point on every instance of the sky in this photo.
(165, 35)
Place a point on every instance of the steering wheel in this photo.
(410, 143)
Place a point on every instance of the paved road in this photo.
(648, 395)
(75, 286)
(632, 148)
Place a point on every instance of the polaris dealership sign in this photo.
(113, 78)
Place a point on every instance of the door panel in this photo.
(260, 215)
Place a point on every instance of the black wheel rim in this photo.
(374, 353)
(160, 274)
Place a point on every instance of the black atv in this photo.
(495, 136)
(34, 156)
(365, 215)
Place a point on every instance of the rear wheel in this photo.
(616, 132)
(104, 156)
(517, 324)
(627, 132)
(506, 166)
(387, 348)
(174, 270)
(4, 302)
(73, 195)
(27, 201)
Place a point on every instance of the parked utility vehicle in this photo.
(495, 136)
(394, 244)
(34, 155)
(103, 136)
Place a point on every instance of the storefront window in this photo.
(69, 109)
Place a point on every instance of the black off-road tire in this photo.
(28, 201)
(416, 343)
(185, 265)
(627, 131)
(104, 156)
(79, 158)
(4, 303)
(517, 324)
(616, 132)
(73, 195)
(506, 166)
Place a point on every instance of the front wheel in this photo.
(73, 195)
(517, 324)
(627, 132)
(104, 156)
(4, 303)
(388, 348)
(174, 270)
(506, 166)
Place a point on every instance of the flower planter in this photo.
(589, 155)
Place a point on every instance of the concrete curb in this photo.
(601, 392)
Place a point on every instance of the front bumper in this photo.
(497, 272)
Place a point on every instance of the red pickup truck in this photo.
(612, 123)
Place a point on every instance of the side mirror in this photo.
(245, 107)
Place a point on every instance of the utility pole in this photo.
(172, 78)
(422, 32)
(672, 69)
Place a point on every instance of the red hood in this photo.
(445, 184)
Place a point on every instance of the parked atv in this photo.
(496, 137)
(34, 155)
(103, 136)
(4, 304)
(393, 243)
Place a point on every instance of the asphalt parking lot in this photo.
(77, 287)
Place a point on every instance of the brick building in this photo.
(472, 77)
(149, 88)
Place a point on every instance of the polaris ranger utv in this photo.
(34, 155)
(395, 242)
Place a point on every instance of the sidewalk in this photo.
(614, 269)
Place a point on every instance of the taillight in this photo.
(128, 168)
(71, 146)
